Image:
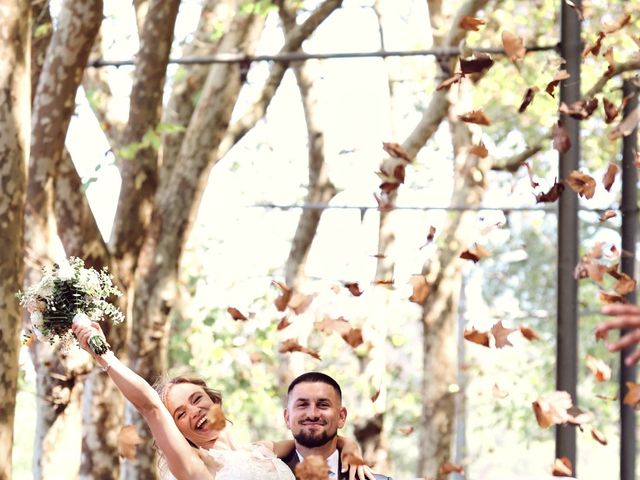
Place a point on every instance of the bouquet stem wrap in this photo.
(97, 341)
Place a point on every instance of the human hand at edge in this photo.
(626, 317)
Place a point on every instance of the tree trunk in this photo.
(439, 317)
(14, 146)
(54, 101)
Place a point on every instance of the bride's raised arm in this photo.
(182, 459)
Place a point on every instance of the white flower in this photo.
(65, 272)
(44, 288)
(90, 279)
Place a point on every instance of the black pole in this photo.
(567, 329)
(629, 209)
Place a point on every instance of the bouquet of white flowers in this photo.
(69, 293)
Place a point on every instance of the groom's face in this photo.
(314, 414)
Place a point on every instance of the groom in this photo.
(314, 413)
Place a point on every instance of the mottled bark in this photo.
(320, 190)
(139, 174)
(174, 211)
(53, 105)
(439, 316)
(292, 43)
(41, 32)
(14, 130)
(216, 17)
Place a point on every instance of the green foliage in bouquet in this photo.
(66, 292)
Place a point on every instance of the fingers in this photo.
(369, 473)
(621, 309)
(625, 341)
(632, 358)
(352, 472)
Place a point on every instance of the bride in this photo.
(192, 445)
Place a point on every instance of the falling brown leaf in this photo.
(497, 392)
(375, 396)
(626, 126)
(312, 467)
(609, 176)
(580, 109)
(292, 345)
(475, 254)
(528, 98)
(513, 46)
(448, 467)
(475, 336)
(471, 23)
(594, 48)
(551, 86)
(607, 298)
(552, 195)
(625, 285)
(501, 334)
(478, 64)
(299, 302)
(215, 417)
(128, 438)
(329, 325)
(479, 151)
(611, 111)
(283, 323)
(632, 397)
(613, 398)
(396, 150)
(562, 467)
(431, 234)
(384, 281)
(561, 140)
(282, 301)
(600, 370)
(475, 116)
(353, 337)
(551, 409)
(606, 215)
(581, 183)
(236, 314)
(529, 333)
(608, 56)
(420, 289)
(450, 81)
(532, 182)
(406, 431)
(354, 288)
(389, 187)
(598, 436)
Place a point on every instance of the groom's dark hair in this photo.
(315, 377)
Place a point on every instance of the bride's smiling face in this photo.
(189, 404)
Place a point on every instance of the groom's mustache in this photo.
(313, 420)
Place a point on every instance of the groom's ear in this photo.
(286, 416)
(342, 417)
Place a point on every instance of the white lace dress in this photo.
(248, 463)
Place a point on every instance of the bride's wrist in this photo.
(105, 360)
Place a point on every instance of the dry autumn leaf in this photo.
(329, 325)
(450, 81)
(353, 337)
(606, 298)
(375, 396)
(497, 392)
(528, 98)
(312, 467)
(594, 48)
(598, 436)
(501, 333)
(626, 126)
(128, 438)
(529, 333)
(625, 284)
(479, 151)
(617, 25)
(581, 183)
(478, 64)
(551, 86)
(471, 24)
(476, 336)
(282, 301)
(299, 302)
(609, 176)
(562, 467)
(552, 195)
(420, 289)
(283, 323)
(396, 150)
(215, 417)
(354, 288)
(475, 116)
(406, 431)
(632, 397)
(580, 109)
(600, 370)
(236, 314)
(513, 46)
(606, 215)
(292, 345)
(532, 182)
(448, 467)
(475, 254)
(552, 409)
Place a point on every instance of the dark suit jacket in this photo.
(292, 460)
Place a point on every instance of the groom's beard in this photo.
(310, 440)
